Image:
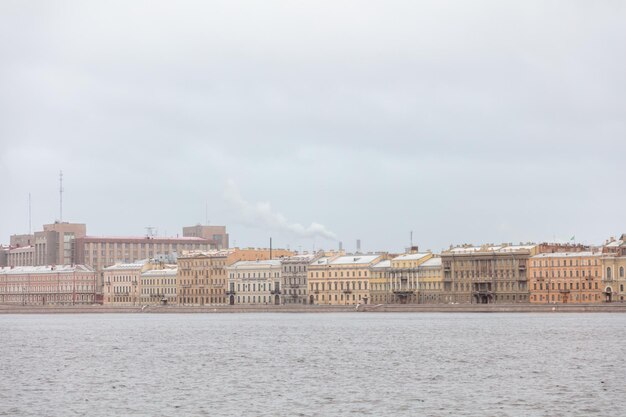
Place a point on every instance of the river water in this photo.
(267, 364)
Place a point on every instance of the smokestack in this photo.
(340, 246)
(358, 246)
(270, 248)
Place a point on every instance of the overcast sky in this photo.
(317, 121)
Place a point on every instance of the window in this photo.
(621, 272)
(608, 273)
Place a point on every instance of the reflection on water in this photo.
(313, 364)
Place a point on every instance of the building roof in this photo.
(303, 257)
(143, 239)
(383, 264)
(355, 259)
(18, 270)
(432, 262)
(460, 250)
(20, 249)
(206, 253)
(567, 254)
(410, 256)
(263, 263)
(126, 266)
(167, 272)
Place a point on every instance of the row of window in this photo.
(339, 285)
(565, 286)
(572, 262)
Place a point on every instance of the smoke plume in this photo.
(260, 214)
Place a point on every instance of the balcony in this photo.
(275, 292)
(230, 292)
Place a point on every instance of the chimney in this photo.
(358, 246)
(340, 246)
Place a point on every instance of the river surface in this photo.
(280, 364)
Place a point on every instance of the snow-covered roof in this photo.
(383, 264)
(304, 257)
(432, 262)
(567, 254)
(44, 269)
(206, 253)
(515, 248)
(321, 261)
(266, 263)
(168, 272)
(21, 249)
(126, 266)
(490, 248)
(355, 259)
(410, 256)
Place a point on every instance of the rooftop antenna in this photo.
(60, 196)
(149, 231)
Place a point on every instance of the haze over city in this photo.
(316, 123)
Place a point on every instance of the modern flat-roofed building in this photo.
(55, 244)
(4, 254)
(21, 256)
(44, 285)
(216, 235)
(102, 252)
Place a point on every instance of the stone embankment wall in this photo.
(383, 308)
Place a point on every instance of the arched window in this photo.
(608, 273)
(621, 272)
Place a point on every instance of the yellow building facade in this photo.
(404, 277)
(341, 280)
(430, 281)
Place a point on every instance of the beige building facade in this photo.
(202, 277)
(159, 285)
(122, 283)
(486, 274)
(255, 282)
(614, 269)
